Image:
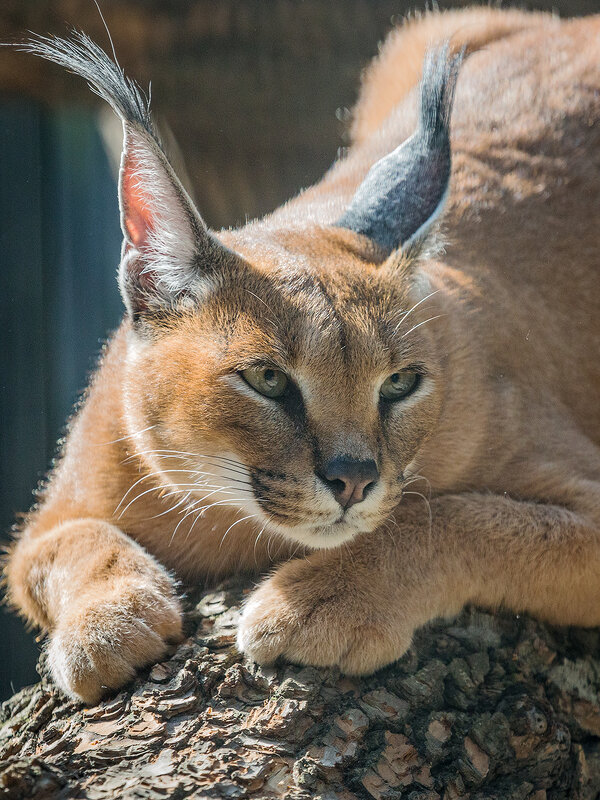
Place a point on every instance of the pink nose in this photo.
(349, 479)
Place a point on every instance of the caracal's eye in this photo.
(399, 385)
(266, 380)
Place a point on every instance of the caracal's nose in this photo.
(350, 480)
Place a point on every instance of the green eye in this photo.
(399, 385)
(266, 380)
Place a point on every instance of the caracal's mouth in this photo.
(317, 522)
(343, 525)
(324, 536)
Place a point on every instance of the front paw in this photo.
(311, 613)
(99, 646)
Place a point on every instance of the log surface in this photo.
(485, 706)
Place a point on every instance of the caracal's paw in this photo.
(309, 614)
(101, 644)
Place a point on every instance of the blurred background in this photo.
(253, 98)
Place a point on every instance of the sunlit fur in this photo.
(337, 345)
(489, 473)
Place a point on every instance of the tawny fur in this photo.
(506, 432)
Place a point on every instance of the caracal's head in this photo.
(303, 386)
(283, 370)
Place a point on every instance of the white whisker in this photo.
(191, 472)
(129, 436)
(169, 510)
(140, 480)
(411, 479)
(416, 305)
(428, 505)
(180, 487)
(237, 522)
(229, 464)
(203, 509)
(414, 328)
(262, 530)
(269, 319)
(237, 501)
(159, 451)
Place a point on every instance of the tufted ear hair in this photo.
(168, 253)
(404, 192)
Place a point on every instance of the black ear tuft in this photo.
(168, 256)
(404, 192)
(438, 84)
(82, 56)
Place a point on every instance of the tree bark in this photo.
(485, 706)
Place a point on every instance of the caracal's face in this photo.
(300, 390)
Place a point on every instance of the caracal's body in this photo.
(509, 444)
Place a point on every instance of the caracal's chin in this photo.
(324, 527)
(322, 537)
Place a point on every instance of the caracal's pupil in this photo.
(316, 376)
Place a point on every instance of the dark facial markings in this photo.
(286, 499)
(293, 404)
(279, 495)
(334, 314)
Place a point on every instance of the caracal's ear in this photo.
(168, 255)
(404, 192)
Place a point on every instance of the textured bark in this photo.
(485, 706)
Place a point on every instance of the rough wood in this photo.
(487, 706)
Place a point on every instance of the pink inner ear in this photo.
(136, 204)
